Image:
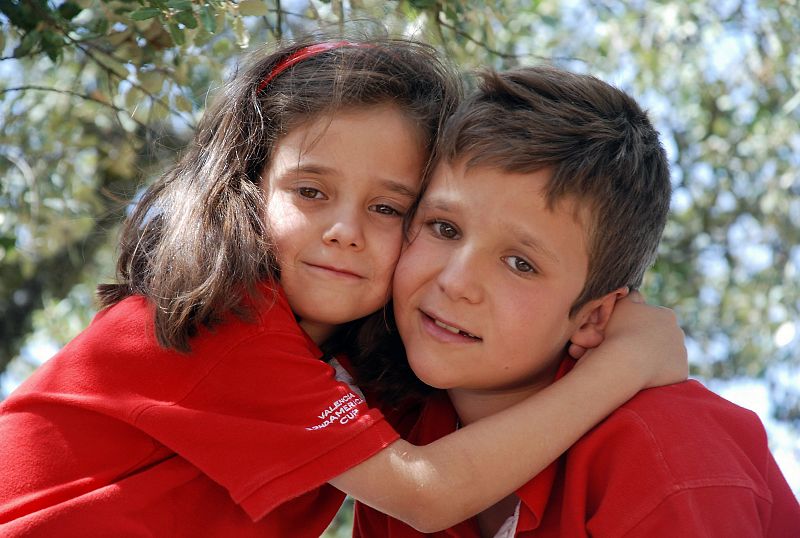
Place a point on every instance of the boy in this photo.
(547, 205)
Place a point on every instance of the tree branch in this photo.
(487, 48)
(33, 87)
(139, 87)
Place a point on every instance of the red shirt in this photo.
(673, 461)
(116, 435)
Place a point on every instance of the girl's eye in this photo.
(384, 209)
(310, 193)
(444, 229)
(519, 264)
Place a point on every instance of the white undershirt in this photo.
(509, 528)
(344, 376)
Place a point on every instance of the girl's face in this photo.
(337, 189)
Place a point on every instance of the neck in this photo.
(475, 404)
(318, 332)
(472, 405)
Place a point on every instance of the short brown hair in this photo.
(600, 147)
(196, 244)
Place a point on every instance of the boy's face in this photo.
(482, 293)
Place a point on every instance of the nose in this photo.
(459, 278)
(346, 230)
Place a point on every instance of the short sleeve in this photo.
(269, 422)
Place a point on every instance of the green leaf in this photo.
(207, 18)
(241, 33)
(51, 44)
(177, 34)
(118, 38)
(219, 18)
(152, 81)
(69, 10)
(99, 26)
(30, 40)
(201, 37)
(145, 13)
(133, 98)
(253, 8)
(21, 16)
(187, 19)
(7, 242)
(182, 5)
(221, 48)
(183, 104)
(549, 20)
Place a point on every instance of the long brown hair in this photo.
(196, 244)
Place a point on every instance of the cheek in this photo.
(531, 320)
(387, 252)
(411, 268)
(284, 222)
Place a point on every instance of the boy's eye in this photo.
(519, 264)
(310, 193)
(444, 229)
(384, 209)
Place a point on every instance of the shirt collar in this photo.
(438, 412)
(535, 494)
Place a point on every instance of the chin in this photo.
(428, 377)
(342, 316)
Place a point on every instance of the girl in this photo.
(196, 402)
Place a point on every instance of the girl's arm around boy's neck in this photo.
(436, 486)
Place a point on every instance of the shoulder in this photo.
(686, 429)
(117, 355)
(671, 443)
(691, 416)
(265, 323)
(671, 452)
(127, 330)
(128, 326)
(689, 394)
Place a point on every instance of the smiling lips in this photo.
(335, 271)
(450, 328)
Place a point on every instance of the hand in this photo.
(643, 337)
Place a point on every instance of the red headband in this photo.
(302, 54)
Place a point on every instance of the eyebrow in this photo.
(530, 242)
(388, 184)
(399, 188)
(441, 204)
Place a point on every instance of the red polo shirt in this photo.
(117, 436)
(673, 461)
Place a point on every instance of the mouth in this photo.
(450, 328)
(334, 271)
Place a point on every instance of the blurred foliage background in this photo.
(96, 96)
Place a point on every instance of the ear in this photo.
(593, 318)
